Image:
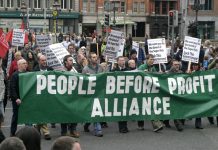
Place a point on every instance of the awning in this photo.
(120, 22)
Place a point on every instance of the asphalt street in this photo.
(168, 139)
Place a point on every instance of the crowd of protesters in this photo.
(86, 58)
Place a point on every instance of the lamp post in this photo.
(196, 5)
(55, 13)
(114, 21)
(23, 9)
(125, 20)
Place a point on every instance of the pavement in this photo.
(167, 139)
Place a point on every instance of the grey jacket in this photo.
(90, 70)
(2, 85)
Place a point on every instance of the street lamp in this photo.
(23, 9)
(114, 21)
(196, 5)
(55, 13)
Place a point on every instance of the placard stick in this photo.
(189, 66)
(160, 67)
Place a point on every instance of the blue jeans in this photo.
(97, 127)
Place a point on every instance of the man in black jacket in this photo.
(15, 96)
(42, 66)
(121, 67)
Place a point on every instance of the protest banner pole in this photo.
(112, 66)
(189, 66)
(160, 67)
(106, 60)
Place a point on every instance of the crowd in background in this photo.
(88, 57)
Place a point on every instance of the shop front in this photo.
(39, 21)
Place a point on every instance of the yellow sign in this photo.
(55, 13)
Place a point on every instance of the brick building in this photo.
(207, 19)
(125, 15)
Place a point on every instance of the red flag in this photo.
(9, 36)
(26, 38)
(3, 44)
(22, 26)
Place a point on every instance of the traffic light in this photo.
(171, 18)
(107, 19)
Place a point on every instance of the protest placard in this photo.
(115, 45)
(135, 46)
(191, 49)
(43, 41)
(55, 54)
(157, 47)
(18, 37)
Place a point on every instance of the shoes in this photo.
(74, 134)
(199, 127)
(125, 130)
(86, 128)
(211, 120)
(167, 123)
(158, 129)
(140, 128)
(47, 137)
(98, 134)
(179, 127)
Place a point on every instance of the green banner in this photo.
(65, 97)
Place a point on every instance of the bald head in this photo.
(22, 65)
(43, 61)
(131, 64)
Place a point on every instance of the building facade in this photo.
(135, 17)
(38, 15)
(207, 19)
(125, 15)
(158, 17)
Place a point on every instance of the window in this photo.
(10, 3)
(106, 5)
(115, 5)
(208, 5)
(172, 5)
(142, 7)
(122, 6)
(92, 6)
(164, 7)
(1, 3)
(157, 7)
(37, 4)
(18, 3)
(85, 3)
(135, 7)
(72, 4)
(63, 4)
